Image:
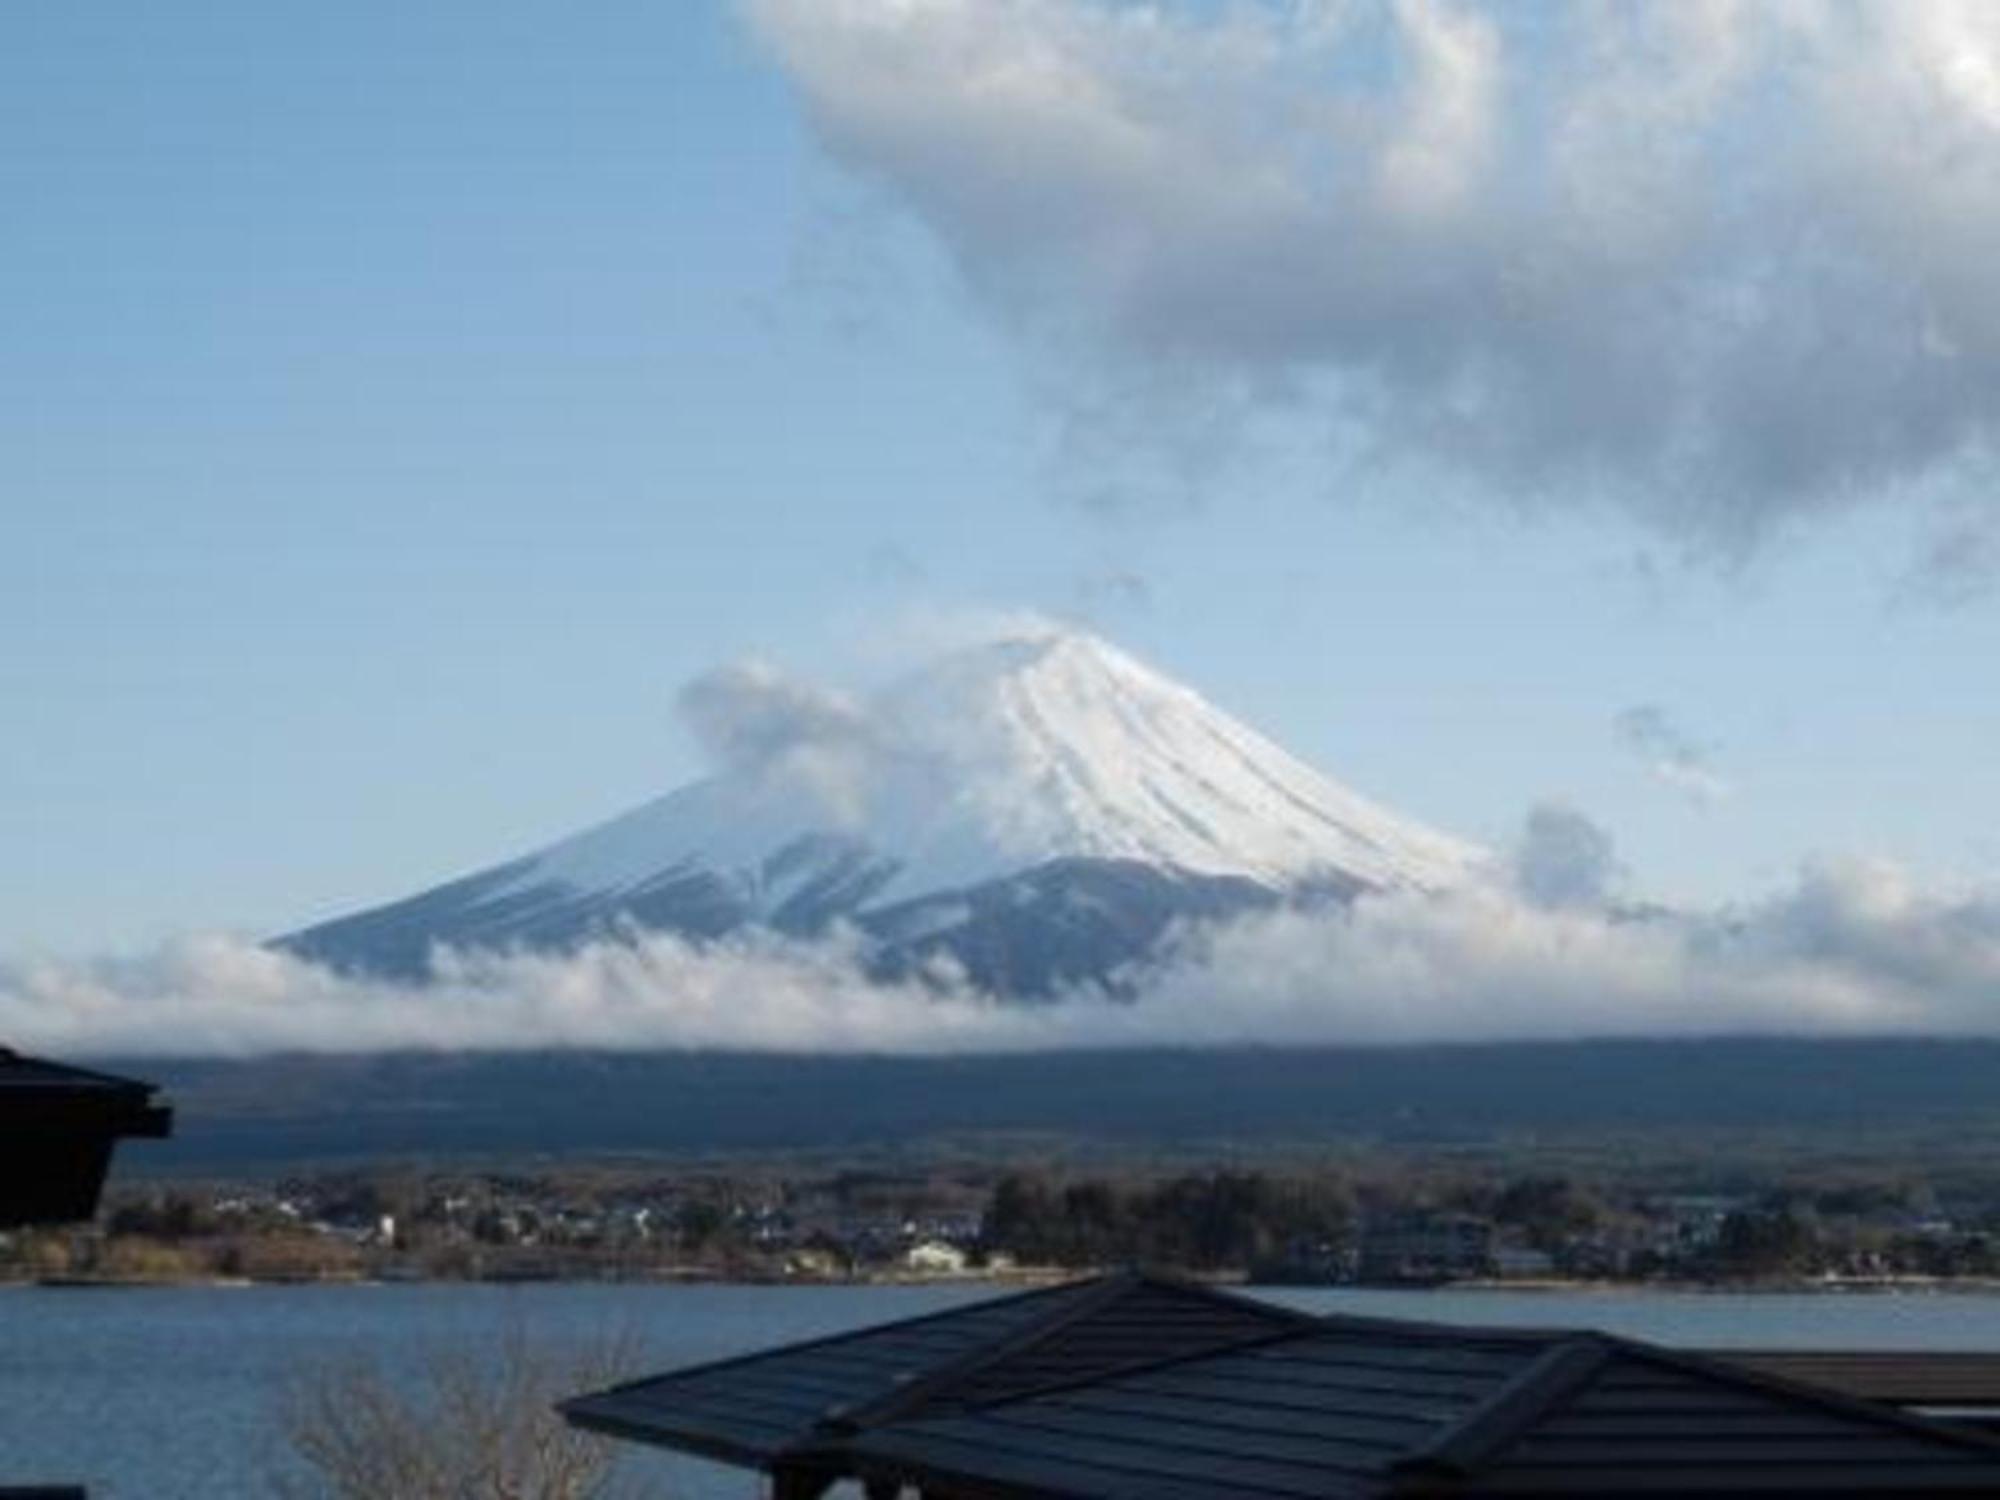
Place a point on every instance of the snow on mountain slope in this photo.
(1014, 753)
(1045, 751)
(1062, 746)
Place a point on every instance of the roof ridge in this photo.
(1144, 1364)
(1457, 1333)
(1544, 1383)
(845, 1336)
(1283, 1321)
(874, 1412)
(1187, 1286)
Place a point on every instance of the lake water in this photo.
(173, 1392)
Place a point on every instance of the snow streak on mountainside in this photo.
(1041, 809)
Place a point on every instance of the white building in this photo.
(935, 1258)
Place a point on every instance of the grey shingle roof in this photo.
(1962, 1379)
(1320, 1411)
(1643, 1420)
(40, 1077)
(1133, 1387)
(751, 1409)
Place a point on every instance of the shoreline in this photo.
(1028, 1279)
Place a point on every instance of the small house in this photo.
(1424, 1249)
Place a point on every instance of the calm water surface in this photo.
(172, 1392)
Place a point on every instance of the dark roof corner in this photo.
(60, 1124)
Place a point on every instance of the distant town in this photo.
(1401, 1226)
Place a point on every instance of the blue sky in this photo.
(401, 402)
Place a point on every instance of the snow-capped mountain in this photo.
(1040, 809)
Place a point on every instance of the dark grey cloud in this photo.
(1671, 755)
(1724, 265)
(791, 738)
(1113, 590)
(749, 715)
(1958, 564)
(893, 566)
(1564, 859)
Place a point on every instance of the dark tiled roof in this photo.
(755, 1408)
(1328, 1411)
(1132, 1387)
(1953, 1378)
(36, 1094)
(57, 1127)
(1119, 1323)
(41, 1075)
(752, 1408)
(1632, 1419)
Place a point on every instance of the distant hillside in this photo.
(295, 1108)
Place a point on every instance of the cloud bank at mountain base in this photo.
(1851, 947)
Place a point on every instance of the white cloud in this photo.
(223, 995)
(1724, 263)
(1431, 163)
(1853, 947)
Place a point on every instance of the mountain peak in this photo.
(1036, 750)
(1063, 745)
(1032, 648)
